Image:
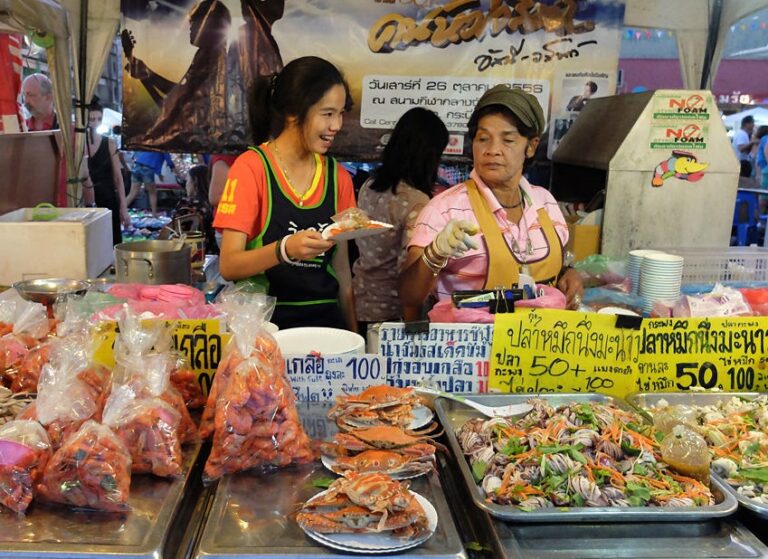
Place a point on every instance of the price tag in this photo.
(559, 351)
(200, 340)
(455, 357)
(724, 353)
(320, 379)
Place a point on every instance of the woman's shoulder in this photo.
(539, 194)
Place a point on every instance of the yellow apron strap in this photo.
(550, 266)
(503, 269)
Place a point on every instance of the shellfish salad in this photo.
(575, 455)
(736, 431)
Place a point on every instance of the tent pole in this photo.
(709, 53)
(83, 56)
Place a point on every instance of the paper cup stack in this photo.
(634, 263)
(660, 278)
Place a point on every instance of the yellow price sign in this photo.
(539, 351)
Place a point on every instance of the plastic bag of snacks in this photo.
(28, 374)
(91, 470)
(143, 362)
(149, 427)
(71, 390)
(184, 379)
(256, 424)
(29, 325)
(24, 452)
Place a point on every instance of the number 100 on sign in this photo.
(705, 375)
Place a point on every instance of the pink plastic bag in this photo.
(444, 311)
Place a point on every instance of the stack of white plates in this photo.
(660, 278)
(634, 263)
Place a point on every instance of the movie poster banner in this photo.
(189, 63)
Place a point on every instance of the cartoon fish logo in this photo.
(682, 165)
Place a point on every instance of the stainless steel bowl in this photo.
(48, 290)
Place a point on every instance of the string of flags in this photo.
(632, 34)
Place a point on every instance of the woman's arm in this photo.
(218, 180)
(89, 198)
(346, 294)
(117, 177)
(416, 279)
(571, 285)
(236, 262)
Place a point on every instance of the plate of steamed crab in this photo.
(382, 430)
(368, 513)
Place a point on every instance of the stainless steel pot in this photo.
(153, 262)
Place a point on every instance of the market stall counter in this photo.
(150, 529)
(254, 515)
(586, 532)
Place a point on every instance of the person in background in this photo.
(523, 229)
(37, 91)
(396, 192)
(743, 144)
(220, 165)
(103, 186)
(196, 203)
(146, 165)
(578, 102)
(280, 195)
(761, 157)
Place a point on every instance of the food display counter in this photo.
(157, 516)
(252, 515)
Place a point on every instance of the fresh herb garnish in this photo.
(478, 470)
(322, 482)
(513, 447)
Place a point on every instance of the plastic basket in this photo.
(731, 264)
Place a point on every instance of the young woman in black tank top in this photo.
(300, 111)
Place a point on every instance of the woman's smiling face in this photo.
(324, 120)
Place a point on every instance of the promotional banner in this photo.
(543, 351)
(189, 64)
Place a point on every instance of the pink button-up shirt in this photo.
(469, 271)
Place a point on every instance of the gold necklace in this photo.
(283, 167)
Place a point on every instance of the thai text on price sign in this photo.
(541, 351)
(201, 341)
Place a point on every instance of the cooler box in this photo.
(71, 243)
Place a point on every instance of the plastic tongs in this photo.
(511, 410)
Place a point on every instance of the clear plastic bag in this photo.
(686, 452)
(255, 422)
(144, 361)
(24, 453)
(71, 390)
(149, 427)
(91, 470)
(184, 379)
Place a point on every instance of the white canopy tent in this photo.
(62, 19)
(691, 22)
(758, 113)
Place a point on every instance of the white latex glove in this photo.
(454, 240)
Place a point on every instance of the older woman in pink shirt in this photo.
(485, 232)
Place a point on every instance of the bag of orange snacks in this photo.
(92, 469)
(252, 404)
(24, 452)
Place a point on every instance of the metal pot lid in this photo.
(170, 245)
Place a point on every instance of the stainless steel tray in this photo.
(252, 515)
(59, 532)
(645, 400)
(717, 538)
(453, 415)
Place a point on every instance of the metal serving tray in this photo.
(716, 538)
(50, 531)
(252, 515)
(645, 400)
(453, 415)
